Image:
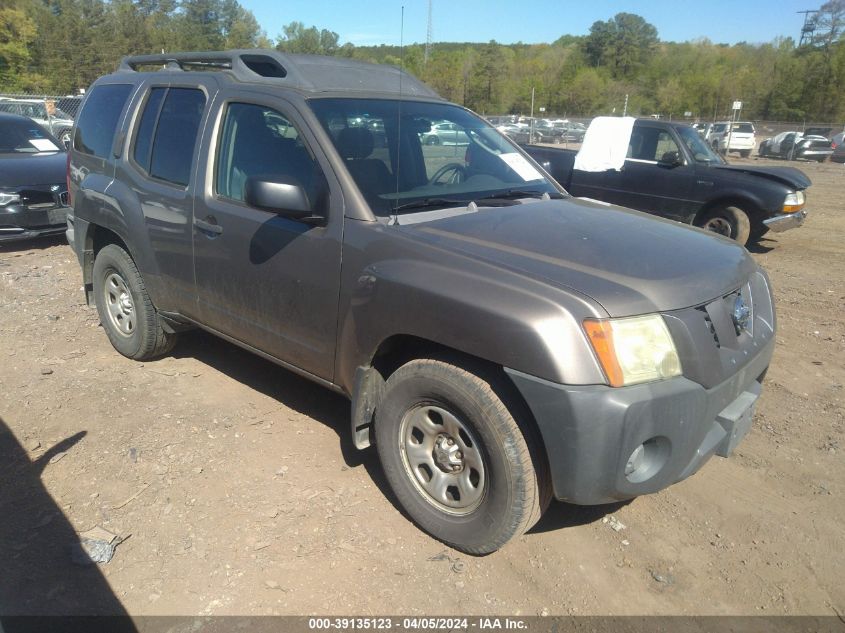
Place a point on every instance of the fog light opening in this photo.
(647, 459)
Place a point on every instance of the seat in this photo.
(355, 145)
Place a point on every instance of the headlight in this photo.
(794, 201)
(8, 198)
(633, 350)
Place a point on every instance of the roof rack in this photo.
(313, 73)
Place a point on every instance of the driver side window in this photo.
(652, 144)
(257, 141)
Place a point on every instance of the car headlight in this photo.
(633, 350)
(794, 201)
(8, 198)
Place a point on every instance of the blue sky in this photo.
(530, 21)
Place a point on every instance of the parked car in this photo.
(445, 133)
(671, 172)
(740, 133)
(794, 145)
(702, 128)
(33, 189)
(55, 120)
(571, 131)
(517, 133)
(500, 342)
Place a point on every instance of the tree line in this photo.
(58, 46)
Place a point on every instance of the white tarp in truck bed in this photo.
(605, 144)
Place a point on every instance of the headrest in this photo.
(355, 143)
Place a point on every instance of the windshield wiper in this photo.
(512, 194)
(427, 203)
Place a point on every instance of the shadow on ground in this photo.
(33, 244)
(38, 576)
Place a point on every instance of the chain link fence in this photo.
(55, 113)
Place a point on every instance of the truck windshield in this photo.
(698, 147)
(412, 156)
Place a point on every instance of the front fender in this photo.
(473, 307)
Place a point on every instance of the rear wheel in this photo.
(126, 311)
(457, 460)
(745, 153)
(729, 221)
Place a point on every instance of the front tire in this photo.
(126, 311)
(729, 221)
(458, 462)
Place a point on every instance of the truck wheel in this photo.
(729, 221)
(456, 459)
(126, 312)
(745, 153)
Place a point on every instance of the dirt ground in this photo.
(237, 490)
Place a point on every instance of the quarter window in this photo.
(98, 121)
(257, 141)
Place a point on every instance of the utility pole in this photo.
(531, 129)
(625, 109)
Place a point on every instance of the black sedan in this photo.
(33, 185)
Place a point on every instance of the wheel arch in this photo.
(399, 349)
(755, 212)
(96, 237)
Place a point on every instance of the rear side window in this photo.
(167, 133)
(97, 123)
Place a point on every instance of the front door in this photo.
(655, 177)
(263, 279)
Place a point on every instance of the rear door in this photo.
(158, 178)
(263, 279)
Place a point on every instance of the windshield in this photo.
(407, 155)
(25, 137)
(700, 150)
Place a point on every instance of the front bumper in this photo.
(20, 222)
(592, 434)
(786, 221)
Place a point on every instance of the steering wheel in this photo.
(459, 175)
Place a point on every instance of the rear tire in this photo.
(745, 153)
(729, 221)
(497, 487)
(126, 311)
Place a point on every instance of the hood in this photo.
(629, 262)
(789, 176)
(20, 170)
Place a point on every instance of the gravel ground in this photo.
(236, 490)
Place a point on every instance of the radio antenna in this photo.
(393, 216)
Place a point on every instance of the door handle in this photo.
(208, 227)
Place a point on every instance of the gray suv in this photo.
(501, 343)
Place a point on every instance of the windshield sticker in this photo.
(43, 144)
(521, 166)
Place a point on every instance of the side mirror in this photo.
(285, 199)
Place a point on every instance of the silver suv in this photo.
(740, 135)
